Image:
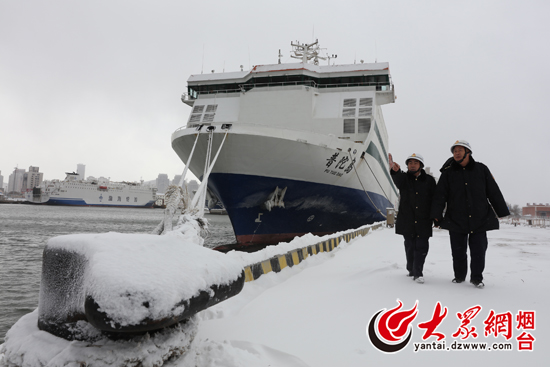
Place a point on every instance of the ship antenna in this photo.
(307, 52)
(202, 66)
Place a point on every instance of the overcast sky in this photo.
(99, 82)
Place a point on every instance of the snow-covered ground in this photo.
(316, 313)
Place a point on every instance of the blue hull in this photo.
(309, 207)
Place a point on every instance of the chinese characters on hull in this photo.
(339, 165)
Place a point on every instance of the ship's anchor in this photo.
(276, 199)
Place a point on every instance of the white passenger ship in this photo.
(305, 149)
(92, 192)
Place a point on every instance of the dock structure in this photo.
(294, 257)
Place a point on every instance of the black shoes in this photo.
(477, 283)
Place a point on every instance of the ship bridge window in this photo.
(350, 102)
(213, 89)
(349, 126)
(208, 116)
(353, 81)
(350, 109)
(365, 102)
(296, 79)
(365, 111)
(198, 109)
(348, 112)
(195, 118)
(363, 126)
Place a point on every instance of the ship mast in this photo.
(307, 52)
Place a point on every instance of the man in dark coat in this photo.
(474, 204)
(416, 189)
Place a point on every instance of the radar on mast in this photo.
(307, 52)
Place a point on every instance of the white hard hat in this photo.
(462, 143)
(418, 157)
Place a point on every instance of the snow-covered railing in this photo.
(294, 257)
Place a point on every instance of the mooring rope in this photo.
(366, 192)
(175, 194)
(202, 193)
(182, 179)
(207, 174)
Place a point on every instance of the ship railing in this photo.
(379, 86)
(180, 128)
(241, 88)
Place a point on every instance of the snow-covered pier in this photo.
(115, 293)
(103, 295)
(329, 299)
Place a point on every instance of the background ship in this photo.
(92, 192)
(304, 146)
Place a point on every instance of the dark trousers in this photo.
(416, 249)
(478, 247)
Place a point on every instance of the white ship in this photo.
(305, 147)
(92, 192)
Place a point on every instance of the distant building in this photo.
(192, 187)
(162, 183)
(15, 183)
(81, 170)
(1, 182)
(536, 210)
(176, 180)
(32, 179)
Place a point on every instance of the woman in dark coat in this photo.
(474, 204)
(416, 189)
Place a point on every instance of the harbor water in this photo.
(25, 229)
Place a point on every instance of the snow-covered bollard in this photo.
(123, 284)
